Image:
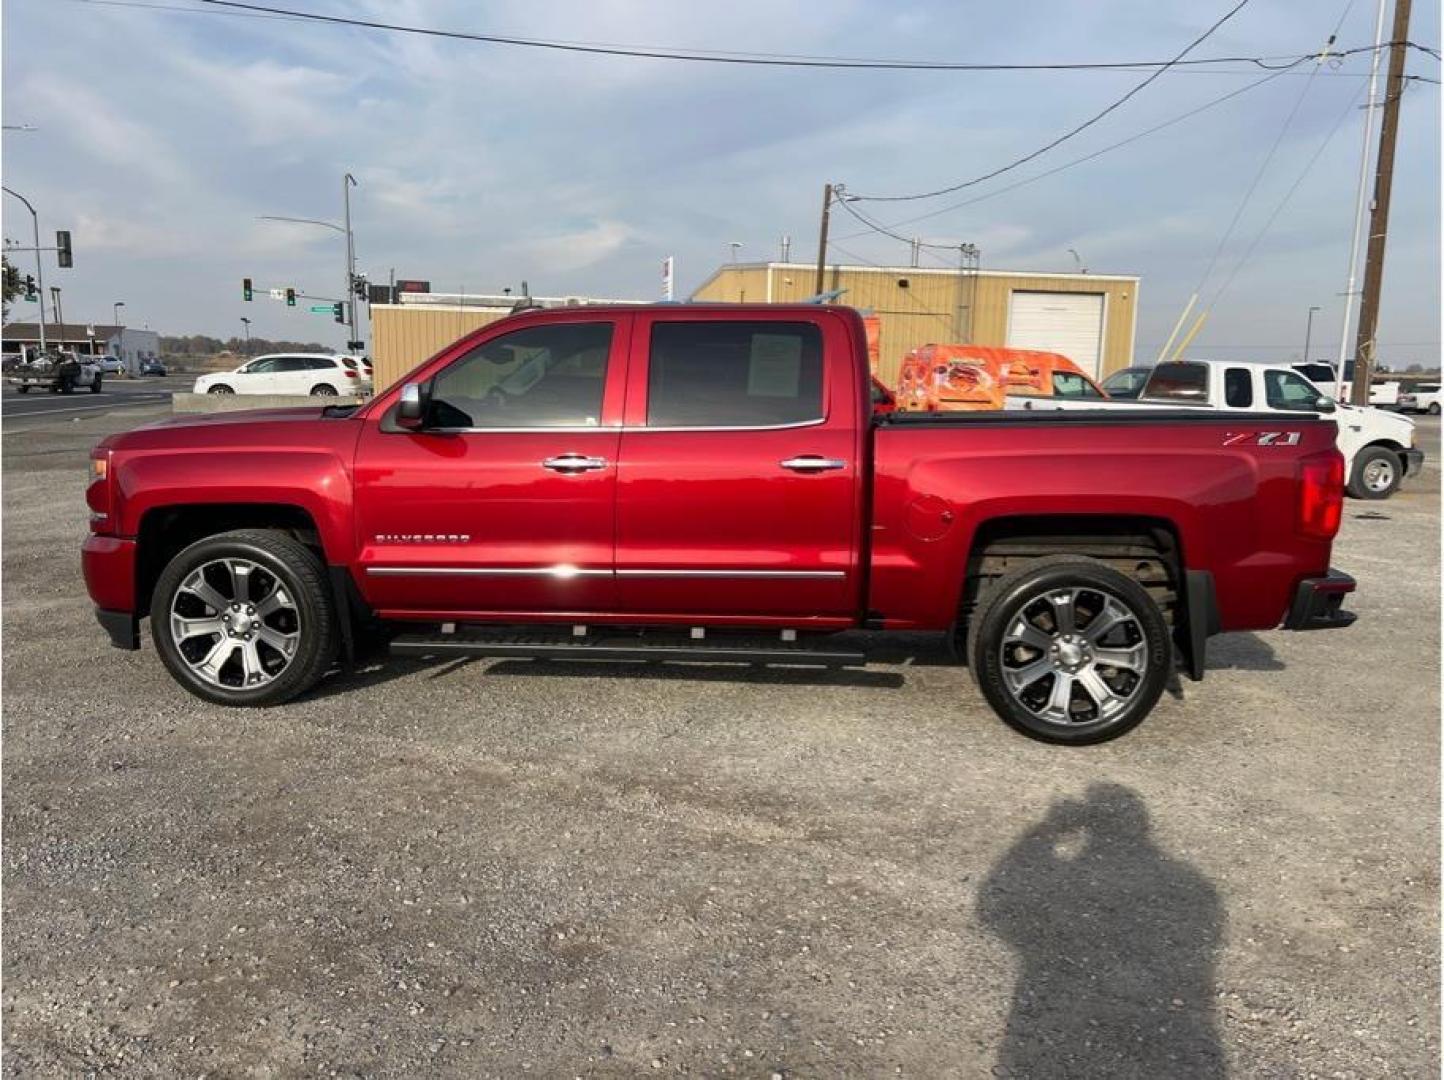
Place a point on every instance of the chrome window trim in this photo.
(626, 429)
(732, 427)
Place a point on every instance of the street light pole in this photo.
(115, 317)
(246, 329)
(1308, 332)
(347, 183)
(39, 272)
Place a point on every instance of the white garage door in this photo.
(1066, 323)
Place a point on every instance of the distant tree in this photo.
(12, 287)
(1414, 369)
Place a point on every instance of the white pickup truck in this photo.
(1378, 446)
(1421, 397)
(1325, 376)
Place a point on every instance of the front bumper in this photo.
(108, 563)
(1318, 603)
(1413, 459)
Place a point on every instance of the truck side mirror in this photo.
(411, 410)
(1326, 405)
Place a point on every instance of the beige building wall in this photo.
(935, 306)
(404, 336)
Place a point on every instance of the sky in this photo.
(161, 136)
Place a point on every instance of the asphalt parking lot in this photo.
(505, 868)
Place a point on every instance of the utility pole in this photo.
(1359, 198)
(819, 281)
(1379, 218)
(39, 269)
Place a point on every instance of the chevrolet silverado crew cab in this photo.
(710, 483)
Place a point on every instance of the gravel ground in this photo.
(502, 868)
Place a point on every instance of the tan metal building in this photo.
(407, 334)
(1089, 318)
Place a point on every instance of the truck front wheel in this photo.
(1069, 650)
(95, 385)
(1376, 473)
(245, 618)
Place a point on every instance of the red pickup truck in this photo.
(710, 483)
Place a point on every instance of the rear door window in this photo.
(734, 374)
(1238, 388)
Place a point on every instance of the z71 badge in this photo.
(1262, 438)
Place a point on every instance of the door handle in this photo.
(573, 463)
(811, 463)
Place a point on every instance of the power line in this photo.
(1076, 161)
(714, 56)
(1263, 231)
(1268, 157)
(1068, 134)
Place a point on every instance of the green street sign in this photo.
(321, 309)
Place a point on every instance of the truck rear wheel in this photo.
(245, 618)
(1376, 473)
(22, 389)
(1069, 650)
(95, 384)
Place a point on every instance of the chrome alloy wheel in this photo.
(235, 623)
(1379, 474)
(1074, 656)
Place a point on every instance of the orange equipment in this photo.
(949, 378)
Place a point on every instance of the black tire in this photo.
(296, 568)
(67, 386)
(1144, 633)
(95, 385)
(22, 389)
(1376, 474)
(323, 390)
(220, 388)
(1434, 409)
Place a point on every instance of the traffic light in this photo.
(290, 296)
(245, 288)
(338, 311)
(62, 248)
(31, 292)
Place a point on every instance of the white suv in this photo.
(321, 374)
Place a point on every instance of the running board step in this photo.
(621, 648)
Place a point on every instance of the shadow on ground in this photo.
(1116, 943)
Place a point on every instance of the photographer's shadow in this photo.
(1116, 943)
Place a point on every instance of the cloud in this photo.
(485, 164)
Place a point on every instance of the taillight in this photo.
(350, 374)
(1321, 495)
(97, 494)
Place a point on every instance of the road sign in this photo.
(321, 309)
(278, 294)
(412, 285)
